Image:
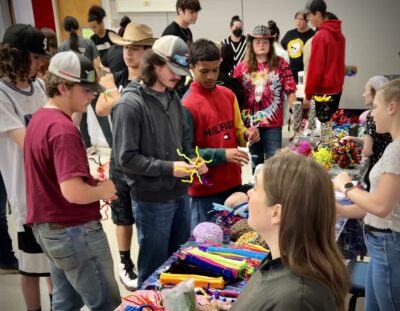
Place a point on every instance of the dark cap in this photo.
(27, 38)
(75, 67)
(313, 6)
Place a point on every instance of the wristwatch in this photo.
(348, 186)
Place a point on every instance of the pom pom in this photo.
(208, 231)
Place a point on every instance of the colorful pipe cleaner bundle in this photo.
(199, 280)
(228, 268)
(196, 163)
(251, 237)
(253, 119)
(237, 253)
(142, 300)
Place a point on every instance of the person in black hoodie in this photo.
(148, 129)
(225, 74)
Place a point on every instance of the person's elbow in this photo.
(102, 111)
(367, 153)
(385, 210)
(71, 190)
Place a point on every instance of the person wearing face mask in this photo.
(236, 40)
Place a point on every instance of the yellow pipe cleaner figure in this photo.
(196, 163)
(322, 99)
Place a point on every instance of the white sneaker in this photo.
(128, 275)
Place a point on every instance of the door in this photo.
(77, 8)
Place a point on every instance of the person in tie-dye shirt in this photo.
(266, 78)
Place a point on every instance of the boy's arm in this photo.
(240, 129)
(75, 190)
(217, 155)
(126, 140)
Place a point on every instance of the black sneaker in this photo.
(128, 275)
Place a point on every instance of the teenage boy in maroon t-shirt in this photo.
(62, 196)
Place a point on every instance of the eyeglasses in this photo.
(180, 60)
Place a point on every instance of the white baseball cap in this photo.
(75, 67)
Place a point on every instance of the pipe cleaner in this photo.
(196, 163)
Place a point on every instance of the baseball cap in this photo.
(175, 51)
(261, 31)
(27, 38)
(75, 67)
(314, 6)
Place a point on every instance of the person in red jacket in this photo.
(326, 68)
(212, 113)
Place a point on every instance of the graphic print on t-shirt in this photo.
(295, 48)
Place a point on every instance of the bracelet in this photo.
(107, 92)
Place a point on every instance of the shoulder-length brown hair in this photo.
(146, 69)
(307, 228)
(251, 59)
(14, 64)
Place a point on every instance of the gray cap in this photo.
(175, 51)
(77, 68)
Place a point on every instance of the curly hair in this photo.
(251, 59)
(96, 13)
(14, 64)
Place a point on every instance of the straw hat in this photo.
(135, 34)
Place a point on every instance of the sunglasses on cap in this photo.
(180, 60)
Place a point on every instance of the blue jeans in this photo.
(162, 227)
(6, 252)
(270, 142)
(382, 288)
(201, 206)
(81, 266)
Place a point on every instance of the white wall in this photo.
(5, 19)
(23, 12)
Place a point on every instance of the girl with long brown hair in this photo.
(293, 208)
(266, 79)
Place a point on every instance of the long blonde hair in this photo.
(307, 231)
(251, 59)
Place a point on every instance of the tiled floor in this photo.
(11, 298)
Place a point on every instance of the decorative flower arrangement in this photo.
(323, 155)
(346, 153)
(340, 117)
(304, 148)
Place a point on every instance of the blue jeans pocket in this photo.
(92, 226)
(59, 247)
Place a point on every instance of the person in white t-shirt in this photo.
(380, 207)
(21, 57)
